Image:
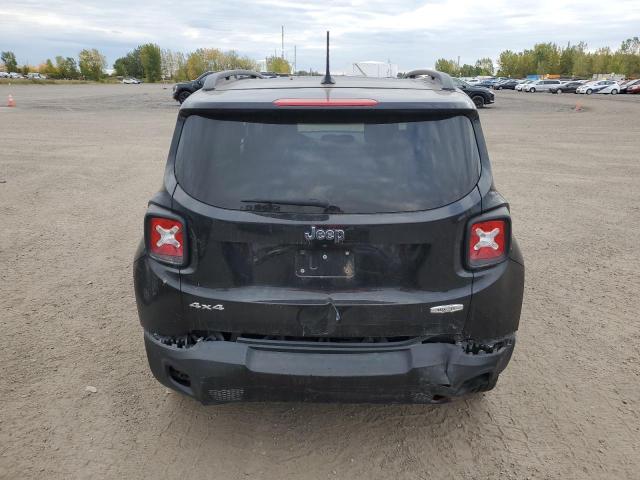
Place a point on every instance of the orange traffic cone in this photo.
(10, 101)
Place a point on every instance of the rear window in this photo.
(356, 166)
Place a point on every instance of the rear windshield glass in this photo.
(356, 167)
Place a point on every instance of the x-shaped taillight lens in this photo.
(166, 239)
(487, 242)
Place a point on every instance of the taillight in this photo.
(488, 242)
(166, 239)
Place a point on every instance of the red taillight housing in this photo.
(488, 242)
(166, 239)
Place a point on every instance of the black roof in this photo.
(388, 92)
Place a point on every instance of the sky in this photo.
(410, 33)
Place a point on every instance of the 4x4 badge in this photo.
(204, 306)
(454, 307)
(335, 235)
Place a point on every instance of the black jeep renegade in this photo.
(328, 242)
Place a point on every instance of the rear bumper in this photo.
(246, 370)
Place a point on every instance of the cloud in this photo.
(411, 33)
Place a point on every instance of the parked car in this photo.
(633, 89)
(624, 87)
(487, 83)
(601, 86)
(35, 76)
(520, 86)
(566, 87)
(4, 75)
(506, 84)
(541, 85)
(131, 81)
(15, 75)
(284, 260)
(481, 96)
(182, 90)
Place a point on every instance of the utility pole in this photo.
(295, 58)
(283, 42)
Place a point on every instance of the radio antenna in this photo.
(327, 80)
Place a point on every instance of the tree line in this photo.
(148, 62)
(89, 65)
(153, 63)
(549, 58)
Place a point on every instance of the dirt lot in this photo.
(77, 167)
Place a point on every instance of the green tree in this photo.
(467, 70)
(508, 64)
(547, 58)
(484, 66)
(447, 66)
(67, 68)
(602, 61)
(9, 60)
(567, 59)
(278, 65)
(130, 65)
(92, 64)
(582, 61)
(213, 59)
(151, 60)
(49, 69)
(629, 57)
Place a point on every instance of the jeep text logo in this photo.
(333, 235)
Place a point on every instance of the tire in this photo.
(182, 96)
(589, 91)
(478, 100)
(498, 88)
(532, 90)
(559, 90)
(614, 92)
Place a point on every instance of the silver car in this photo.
(541, 85)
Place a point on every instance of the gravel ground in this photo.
(78, 165)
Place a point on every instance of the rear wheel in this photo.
(532, 90)
(182, 96)
(478, 100)
(614, 92)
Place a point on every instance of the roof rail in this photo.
(442, 78)
(212, 80)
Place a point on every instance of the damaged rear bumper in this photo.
(270, 370)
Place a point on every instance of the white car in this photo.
(4, 75)
(541, 85)
(601, 86)
(521, 85)
(15, 75)
(133, 81)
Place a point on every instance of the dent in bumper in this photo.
(220, 371)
